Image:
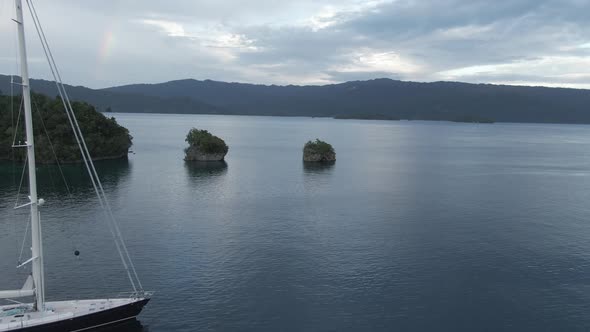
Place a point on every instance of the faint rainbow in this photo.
(106, 46)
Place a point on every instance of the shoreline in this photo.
(74, 162)
(332, 118)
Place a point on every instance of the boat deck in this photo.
(18, 316)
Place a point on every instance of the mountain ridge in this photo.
(384, 98)
(117, 102)
(380, 98)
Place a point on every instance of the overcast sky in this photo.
(105, 43)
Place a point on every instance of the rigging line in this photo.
(86, 156)
(15, 44)
(16, 71)
(14, 233)
(49, 170)
(111, 221)
(13, 152)
(12, 115)
(15, 237)
(84, 151)
(20, 109)
(51, 145)
(41, 34)
(20, 256)
(12, 106)
(22, 177)
(59, 166)
(60, 87)
(12, 97)
(100, 198)
(93, 181)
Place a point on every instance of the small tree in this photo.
(318, 146)
(318, 151)
(205, 141)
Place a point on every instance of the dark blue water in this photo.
(418, 226)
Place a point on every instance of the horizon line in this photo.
(315, 85)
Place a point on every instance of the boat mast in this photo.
(36, 247)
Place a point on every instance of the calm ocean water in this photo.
(418, 226)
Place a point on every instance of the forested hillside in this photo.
(104, 137)
(374, 99)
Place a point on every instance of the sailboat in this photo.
(71, 315)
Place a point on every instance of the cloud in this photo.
(369, 60)
(569, 71)
(345, 76)
(171, 29)
(315, 42)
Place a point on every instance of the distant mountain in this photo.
(115, 101)
(372, 99)
(384, 99)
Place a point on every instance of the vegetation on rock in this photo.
(318, 151)
(204, 146)
(52, 131)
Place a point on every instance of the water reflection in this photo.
(50, 179)
(318, 167)
(317, 176)
(197, 170)
(128, 326)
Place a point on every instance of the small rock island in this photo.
(204, 146)
(318, 151)
(54, 138)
